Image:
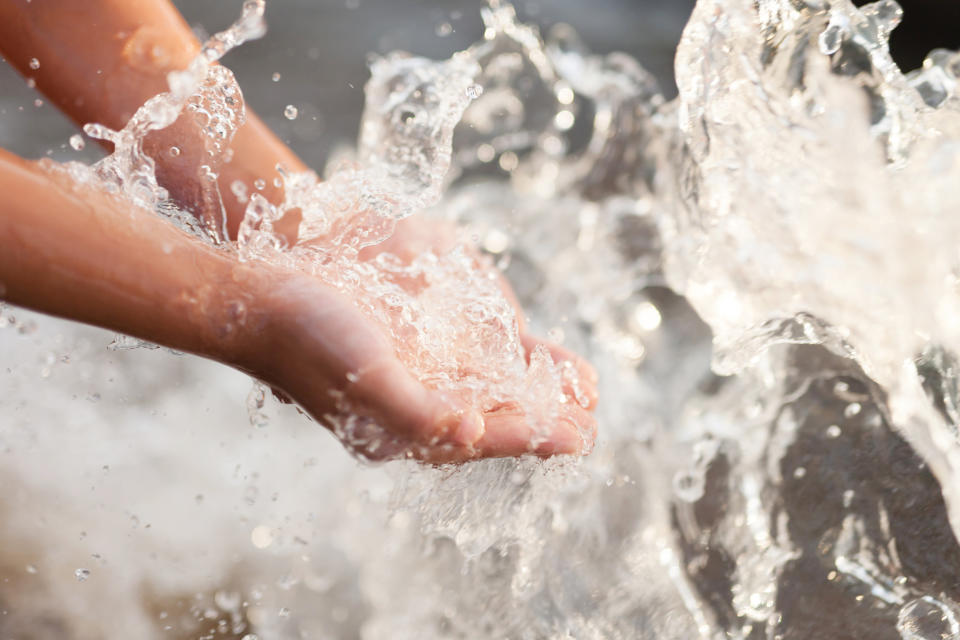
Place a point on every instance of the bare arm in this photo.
(99, 60)
(79, 253)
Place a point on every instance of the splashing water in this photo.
(791, 210)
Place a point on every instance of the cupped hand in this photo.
(342, 368)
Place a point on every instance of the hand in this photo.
(322, 352)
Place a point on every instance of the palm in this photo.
(336, 361)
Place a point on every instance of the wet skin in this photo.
(79, 253)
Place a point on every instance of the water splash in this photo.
(790, 213)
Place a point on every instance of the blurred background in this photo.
(314, 56)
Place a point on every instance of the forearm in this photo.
(79, 253)
(99, 60)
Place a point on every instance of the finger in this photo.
(509, 433)
(580, 381)
(386, 391)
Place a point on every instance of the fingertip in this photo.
(471, 428)
(462, 427)
(574, 433)
(580, 378)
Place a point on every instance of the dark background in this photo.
(319, 48)
(927, 24)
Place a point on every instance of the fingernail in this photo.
(470, 429)
(562, 441)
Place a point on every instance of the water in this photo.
(787, 220)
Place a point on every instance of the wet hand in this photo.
(318, 349)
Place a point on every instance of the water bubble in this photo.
(99, 132)
(276, 76)
(81, 574)
(831, 38)
(834, 431)
(474, 91)
(174, 151)
(689, 485)
(259, 184)
(76, 142)
(38, 103)
(444, 29)
(290, 112)
(34, 64)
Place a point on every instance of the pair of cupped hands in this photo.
(99, 61)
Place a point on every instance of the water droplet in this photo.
(444, 29)
(290, 112)
(76, 142)
(474, 91)
(261, 537)
(564, 120)
(259, 184)
(284, 612)
(646, 317)
(848, 496)
(82, 574)
(509, 161)
(486, 153)
(31, 569)
(256, 400)
(38, 103)
(834, 431)
(174, 151)
(34, 63)
(852, 410)
(799, 472)
(276, 76)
